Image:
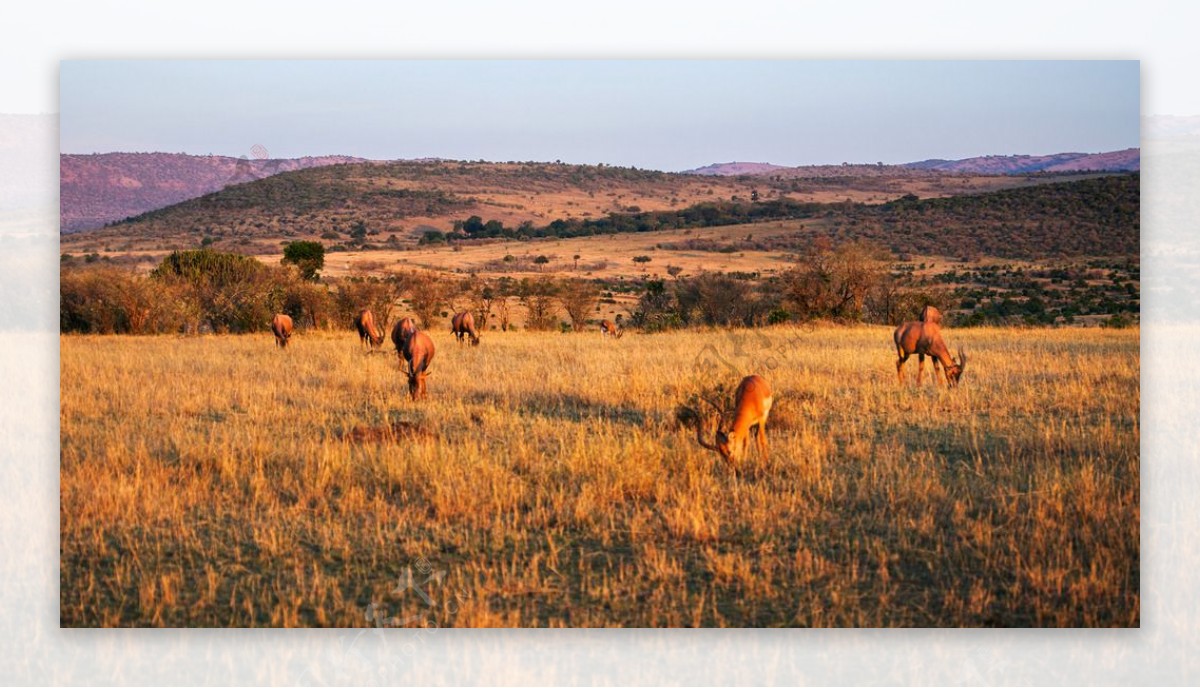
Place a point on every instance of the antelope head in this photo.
(416, 383)
(722, 443)
(954, 373)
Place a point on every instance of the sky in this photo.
(658, 114)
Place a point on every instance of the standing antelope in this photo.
(752, 405)
(416, 349)
(369, 335)
(281, 326)
(925, 339)
(463, 324)
(610, 329)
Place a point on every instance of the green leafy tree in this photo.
(309, 256)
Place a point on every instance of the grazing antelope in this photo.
(610, 329)
(418, 353)
(925, 339)
(369, 335)
(462, 325)
(281, 326)
(416, 349)
(752, 405)
(930, 314)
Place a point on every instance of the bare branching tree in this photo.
(538, 297)
(578, 298)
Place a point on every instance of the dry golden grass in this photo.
(218, 481)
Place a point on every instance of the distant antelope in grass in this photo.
(925, 339)
(369, 334)
(752, 405)
(610, 329)
(463, 326)
(281, 327)
(416, 349)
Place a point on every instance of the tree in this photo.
(834, 282)
(540, 261)
(641, 259)
(578, 298)
(309, 256)
(719, 299)
(428, 294)
(502, 289)
(361, 291)
(655, 308)
(480, 296)
(232, 292)
(576, 257)
(538, 297)
(473, 225)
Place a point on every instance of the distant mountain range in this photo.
(108, 187)
(104, 188)
(1127, 160)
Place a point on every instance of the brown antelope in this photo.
(281, 326)
(462, 325)
(925, 339)
(418, 353)
(752, 405)
(401, 332)
(415, 348)
(369, 335)
(610, 329)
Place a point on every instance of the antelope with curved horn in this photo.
(610, 329)
(752, 405)
(463, 325)
(925, 339)
(369, 335)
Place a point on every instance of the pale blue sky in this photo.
(667, 114)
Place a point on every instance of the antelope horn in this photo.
(719, 408)
(700, 437)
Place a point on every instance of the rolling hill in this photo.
(376, 211)
(98, 189)
(1127, 160)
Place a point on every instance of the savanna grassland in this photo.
(219, 481)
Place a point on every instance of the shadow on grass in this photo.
(568, 407)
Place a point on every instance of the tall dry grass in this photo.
(218, 481)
